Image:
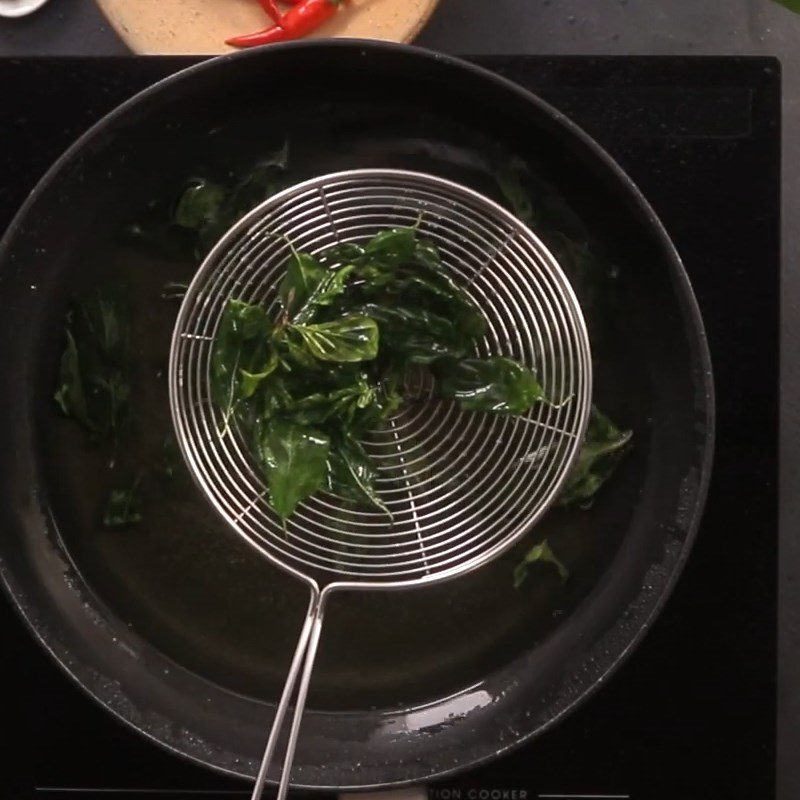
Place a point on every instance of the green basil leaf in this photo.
(99, 322)
(415, 335)
(392, 246)
(398, 268)
(603, 447)
(511, 176)
(342, 404)
(538, 554)
(343, 254)
(313, 409)
(123, 507)
(351, 474)
(426, 255)
(94, 374)
(191, 223)
(329, 288)
(375, 407)
(199, 204)
(303, 275)
(241, 355)
(258, 183)
(275, 398)
(470, 321)
(169, 460)
(394, 249)
(112, 392)
(437, 293)
(359, 405)
(498, 384)
(70, 394)
(349, 339)
(298, 356)
(250, 381)
(295, 461)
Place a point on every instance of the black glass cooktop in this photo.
(692, 713)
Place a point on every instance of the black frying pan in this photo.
(176, 627)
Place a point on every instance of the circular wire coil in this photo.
(461, 486)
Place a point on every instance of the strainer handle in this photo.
(302, 666)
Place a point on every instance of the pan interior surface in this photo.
(182, 584)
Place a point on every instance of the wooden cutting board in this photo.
(154, 27)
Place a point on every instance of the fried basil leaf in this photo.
(603, 447)
(361, 326)
(538, 554)
(241, 356)
(295, 460)
(330, 287)
(123, 507)
(70, 394)
(189, 223)
(349, 339)
(352, 475)
(94, 374)
(258, 183)
(498, 384)
(511, 175)
(303, 275)
(392, 246)
(341, 404)
(199, 204)
(415, 335)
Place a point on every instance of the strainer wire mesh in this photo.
(460, 485)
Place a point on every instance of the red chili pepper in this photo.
(271, 7)
(303, 18)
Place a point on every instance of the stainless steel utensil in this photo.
(462, 487)
(19, 8)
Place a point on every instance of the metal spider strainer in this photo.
(462, 487)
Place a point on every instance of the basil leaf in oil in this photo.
(331, 287)
(250, 381)
(349, 339)
(258, 183)
(70, 394)
(392, 246)
(341, 404)
(342, 254)
(414, 335)
(352, 475)
(436, 293)
(384, 400)
(94, 374)
(294, 458)
(362, 326)
(603, 447)
(242, 355)
(199, 204)
(540, 553)
(123, 507)
(498, 384)
(511, 176)
(303, 276)
(187, 225)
